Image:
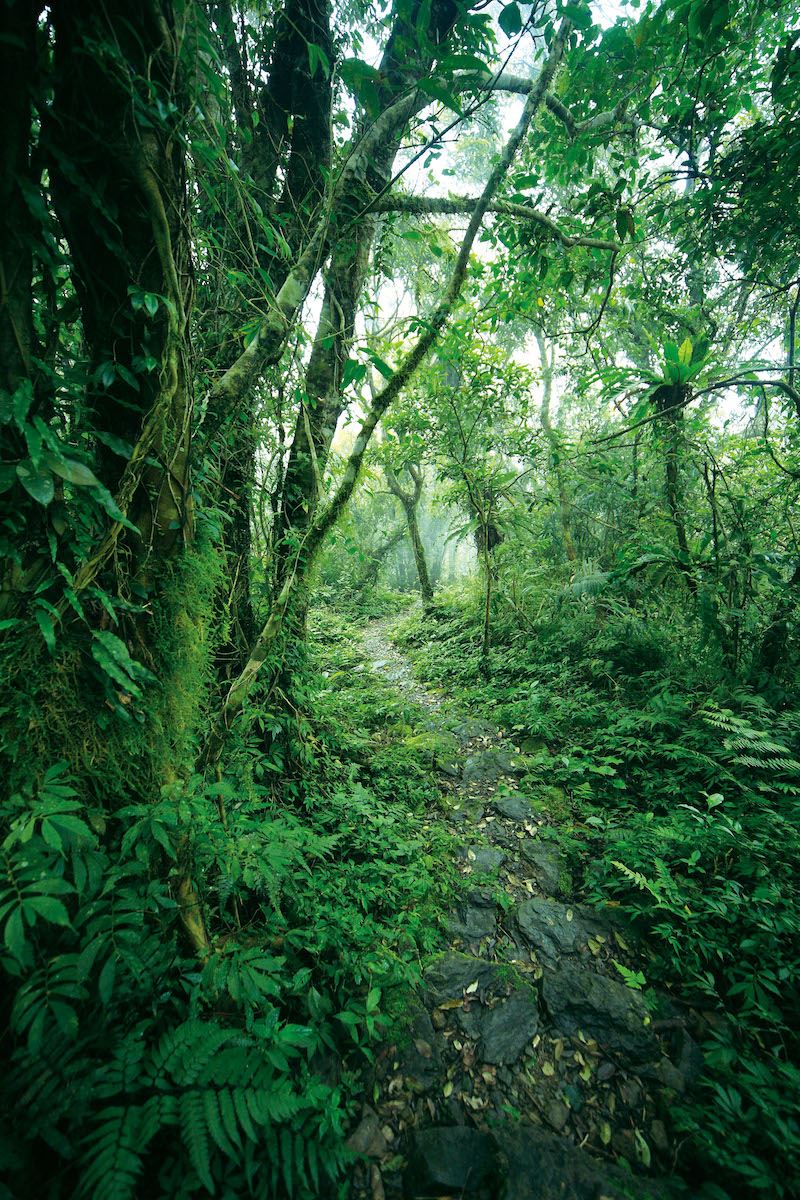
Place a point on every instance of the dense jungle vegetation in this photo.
(469, 321)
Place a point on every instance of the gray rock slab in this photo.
(551, 929)
(472, 922)
(487, 766)
(467, 812)
(420, 1057)
(470, 1020)
(610, 1012)
(539, 1165)
(514, 808)
(483, 858)
(454, 1160)
(508, 1027)
(546, 863)
(472, 727)
(448, 975)
(367, 1138)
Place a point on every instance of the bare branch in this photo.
(421, 205)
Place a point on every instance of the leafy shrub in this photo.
(134, 1069)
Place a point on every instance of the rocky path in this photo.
(530, 1070)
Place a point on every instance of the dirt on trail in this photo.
(528, 1070)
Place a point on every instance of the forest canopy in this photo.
(476, 322)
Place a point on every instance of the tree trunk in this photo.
(17, 66)
(548, 363)
(669, 400)
(410, 502)
(119, 184)
(376, 558)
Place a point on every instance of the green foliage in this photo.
(683, 806)
(134, 1061)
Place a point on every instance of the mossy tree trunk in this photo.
(115, 148)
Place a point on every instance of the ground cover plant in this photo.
(322, 324)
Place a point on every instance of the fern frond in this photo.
(195, 1133)
(114, 1153)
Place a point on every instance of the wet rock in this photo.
(556, 1114)
(475, 917)
(509, 1027)
(471, 922)
(551, 929)
(668, 1075)
(515, 808)
(578, 999)
(472, 727)
(367, 1137)
(448, 1161)
(539, 1165)
(449, 975)
(547, 864)
(470, 1021)
(467, 812)
(658, 1136)
(630, 1091)
(421, 1069)
(487, 766)
(690, 1062)
(573, 1094)
(483, 858)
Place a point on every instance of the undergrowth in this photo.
(680, 801)
(133, 1068)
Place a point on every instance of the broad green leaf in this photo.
(318, 58)
(463, 62)
(73, 471)
(21, 401)
(8, 476)
(37, 482)
(46, 623)
(386, 371)
(510, 20)
(50, 908)
(439, 92)
(118, 445)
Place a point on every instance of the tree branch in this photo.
(421, 205)
(327, 517)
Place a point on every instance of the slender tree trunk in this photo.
(548, 363)
(325, 520)
(17, 234)
(669, 400)
(377, 557)
(410, 502)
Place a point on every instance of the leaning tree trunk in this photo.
(291, 139)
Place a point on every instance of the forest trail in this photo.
(530, 1070)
